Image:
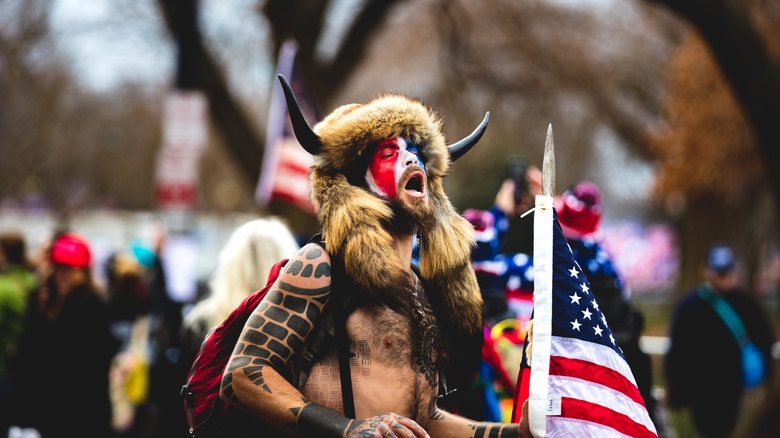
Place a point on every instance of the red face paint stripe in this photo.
(383, 166)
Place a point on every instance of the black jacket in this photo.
(702, 366)
(64, 365)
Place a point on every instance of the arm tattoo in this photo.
(438, 415)
(481, 430)
(278, 327)
(494, 430)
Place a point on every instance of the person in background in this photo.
(704, 366)
(17, 281)
(496, 230)
(66, 348)
(491, 227)
(129, 305)
(495, 271)
(128, 293)
(243, 267)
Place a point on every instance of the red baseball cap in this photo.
(71, 249)
(579, 209)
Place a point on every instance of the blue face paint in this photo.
(411, 147)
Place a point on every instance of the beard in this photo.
(411, 216)
(409, 219)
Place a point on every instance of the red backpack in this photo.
(204, 408)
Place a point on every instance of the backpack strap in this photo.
(726, 313)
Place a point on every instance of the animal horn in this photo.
(303, 132)
(458, 149)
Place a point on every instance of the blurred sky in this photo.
(110, 42)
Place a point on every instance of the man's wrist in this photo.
(316, 420)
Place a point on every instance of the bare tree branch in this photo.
(353, 48)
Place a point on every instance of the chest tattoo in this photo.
(428, 337)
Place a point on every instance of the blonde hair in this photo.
(243, 266)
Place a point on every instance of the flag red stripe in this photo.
(582, 369)
(295, 168)
(582, 410)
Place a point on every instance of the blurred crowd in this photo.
(79, 357)
(83, 358)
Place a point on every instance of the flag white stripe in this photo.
(562, 427)
(485, 235)
(595, 393)
(490, 266)
(573, 348)
(543, 289)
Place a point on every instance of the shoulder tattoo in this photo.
(278, 327)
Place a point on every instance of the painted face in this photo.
(391, 158)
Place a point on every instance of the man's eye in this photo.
(411, 148)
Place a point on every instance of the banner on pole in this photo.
(184, 139)
(285, 172)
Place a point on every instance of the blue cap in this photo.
(721, 258)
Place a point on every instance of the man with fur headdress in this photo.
(377, 183)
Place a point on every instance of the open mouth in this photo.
(415, 185)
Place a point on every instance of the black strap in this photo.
(345, 355)
(342, 345)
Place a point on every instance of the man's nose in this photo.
(410, 158)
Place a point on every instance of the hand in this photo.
(387, 425)
(505, 198)
(524, 430)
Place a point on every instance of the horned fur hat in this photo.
(353, 219)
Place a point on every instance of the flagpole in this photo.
(539, 405)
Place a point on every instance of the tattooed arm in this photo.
(270, 347)
(445, 424)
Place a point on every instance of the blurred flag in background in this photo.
(285, 172)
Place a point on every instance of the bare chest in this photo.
(395, 365)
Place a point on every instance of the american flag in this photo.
(285, 173)
(580, 384)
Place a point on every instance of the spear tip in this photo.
(548, 165)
